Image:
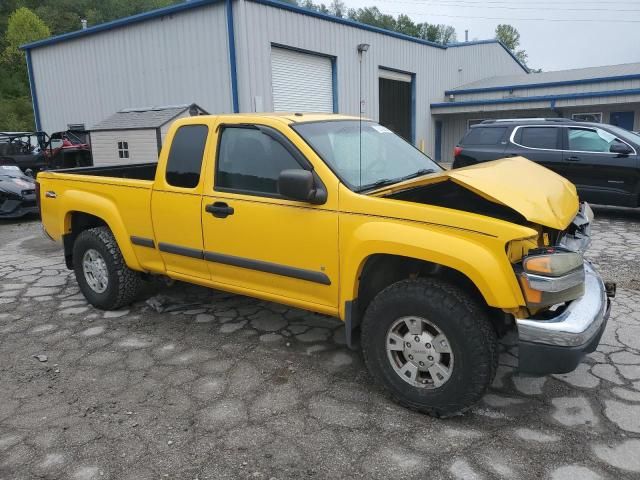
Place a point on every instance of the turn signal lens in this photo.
(531, 296)
(553, 264)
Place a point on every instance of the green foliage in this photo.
(16, 114)
(24, 26)
(510, 36)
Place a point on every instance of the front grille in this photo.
(577, 236)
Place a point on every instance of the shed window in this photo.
(123, 149)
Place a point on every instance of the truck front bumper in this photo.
(556, 344)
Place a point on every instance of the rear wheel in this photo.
(104, 278)
(430, 345)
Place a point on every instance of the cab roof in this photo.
(287, 117)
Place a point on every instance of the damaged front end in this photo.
(567, 301)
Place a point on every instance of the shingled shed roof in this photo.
(143, 118)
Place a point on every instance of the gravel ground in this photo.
(191, 383)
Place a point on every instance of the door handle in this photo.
(219, 209)
(573, 159)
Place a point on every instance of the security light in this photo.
(363, 47)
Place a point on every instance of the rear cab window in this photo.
(484, 136)
(185, 157)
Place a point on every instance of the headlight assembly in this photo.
(554, 263)
(550, 276)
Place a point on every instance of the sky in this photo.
(556, 34)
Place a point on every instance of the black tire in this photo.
(123, 284)
(471, 337)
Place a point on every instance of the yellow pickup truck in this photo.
(337, 215)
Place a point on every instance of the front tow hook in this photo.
(610, 288)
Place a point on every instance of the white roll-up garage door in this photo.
(301, 82)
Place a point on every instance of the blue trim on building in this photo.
(413, 108)
(437, 151)
(232, 56)
(582, 81)
(121, 22)
(538, 98)
(413, 98)
(485, 42)
(32, 88)
(334, 84)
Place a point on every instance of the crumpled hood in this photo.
(535, 192)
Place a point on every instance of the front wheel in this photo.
(104, 278)
(430, 345)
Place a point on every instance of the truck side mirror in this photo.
(620, 149)
(299, 184)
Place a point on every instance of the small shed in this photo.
(136, 135)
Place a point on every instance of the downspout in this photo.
(232, 56)
(32, 88)
(555, 109)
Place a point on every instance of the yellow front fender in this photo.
(479, 257)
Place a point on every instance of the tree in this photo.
(24, 26)
(510, 36)
(437, 33)
(338, 8)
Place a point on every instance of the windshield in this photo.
(386, 158)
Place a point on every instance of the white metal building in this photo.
(254, 55)
(135, 134)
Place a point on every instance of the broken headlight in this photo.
(550, 276)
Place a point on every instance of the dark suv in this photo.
(601, 160)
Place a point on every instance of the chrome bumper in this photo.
(556, 344)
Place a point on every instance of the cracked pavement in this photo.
(192, 383)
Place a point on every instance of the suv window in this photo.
(185, 156)
(250, 161)
(538, 137)
(585, 140)
(484, 136)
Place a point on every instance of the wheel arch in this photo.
(470, 266)
(97, 211)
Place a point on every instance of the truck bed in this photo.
(137, 171)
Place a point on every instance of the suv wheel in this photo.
(104, 279)
(430, 345)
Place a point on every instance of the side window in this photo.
(583, 140)
(250, 161)
(185, 157)
(484, 136)
(539, 137)
(123, 149)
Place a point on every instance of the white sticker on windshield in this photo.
(381, 129)
(606, 136)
